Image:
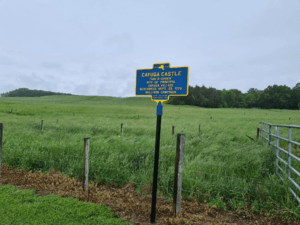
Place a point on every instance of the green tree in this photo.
(297, 86)
(229, 97)
(239, 98)
(191, 98)
(252, 90)
(250, 99)
(295, 96)
(214, 98)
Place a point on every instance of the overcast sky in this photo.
(94, 47)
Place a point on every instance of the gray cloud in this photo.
(95, 48)
(5, 61)
(49, 65)
(119, 44)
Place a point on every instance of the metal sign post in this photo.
(160, 82)
(159, 110)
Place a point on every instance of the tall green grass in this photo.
(221, 162)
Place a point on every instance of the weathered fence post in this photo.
(257, 135)
(263, 130)
(86, 164)
(178, 173)
(42, 124)
(122, 128)
(199, 130)
(173, 130)
(1, 135)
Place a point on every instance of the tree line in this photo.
(25, 92)
(273, 97)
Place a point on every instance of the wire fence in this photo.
(85, 176)
(171, 188)
(115, 169)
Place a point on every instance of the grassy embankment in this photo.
(221, 162)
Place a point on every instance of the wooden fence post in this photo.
(178, 173)
(122, 128)
(1, 135)
(86, 164)
(173, 130)
(42, 124)
(257, 135)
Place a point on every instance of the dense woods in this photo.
(25, 92)
(273, 97)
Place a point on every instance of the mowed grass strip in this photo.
(23, 207)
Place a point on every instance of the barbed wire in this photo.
(72, 163)
(83, 157)
(222, 197)
(258, 182)
(131, 171)
(247, 190)
(53, 154)
(234, 187)
(172, 138)
(145, 164)
(172, 158)
(39, 160)
(236, 168)
(91, 153)
(103, 178)
(111, 169)
(117, 152)
(210, 195)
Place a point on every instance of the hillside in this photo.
(25, 92)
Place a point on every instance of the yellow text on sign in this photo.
(163, 74)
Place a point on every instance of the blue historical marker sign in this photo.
(162, 81)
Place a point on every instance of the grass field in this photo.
(222, 162)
